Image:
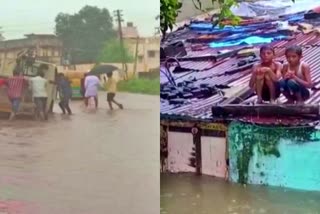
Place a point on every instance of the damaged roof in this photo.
(202, 83)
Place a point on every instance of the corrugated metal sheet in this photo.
(196, 108)
(215, 75)
(201, 108)
(301, 39)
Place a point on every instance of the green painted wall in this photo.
(274, 155)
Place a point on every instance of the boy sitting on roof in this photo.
(296, 77)
(265, 76)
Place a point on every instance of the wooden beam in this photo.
(239, 96)
(265, 110)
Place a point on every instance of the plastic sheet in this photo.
(234, 29)
(246, 41)
(273, 7)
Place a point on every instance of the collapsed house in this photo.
(209, 122)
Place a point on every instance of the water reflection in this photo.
(88, 163)
(191, 194)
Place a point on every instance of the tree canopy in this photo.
(84, 33)
(112, 52)
(170, 9)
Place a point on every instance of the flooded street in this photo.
(190, 194)
(89, 163)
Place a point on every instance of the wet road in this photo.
(190, 194)
(89, 163)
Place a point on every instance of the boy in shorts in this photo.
(296, 80)
(265, 76)
(111, 87)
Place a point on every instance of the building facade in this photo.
(145, 50)
(46, 47)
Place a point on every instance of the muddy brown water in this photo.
(88, 163)
(191, 194)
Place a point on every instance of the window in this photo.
(140, 59)
(151, 54)
(44, 52)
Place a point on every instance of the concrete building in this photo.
(145, 49)
(46, 47)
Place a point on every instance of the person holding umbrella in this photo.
(111, 87)
(92, 82)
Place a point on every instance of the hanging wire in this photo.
(167, 72)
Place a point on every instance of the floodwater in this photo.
(88, 163)
(191, 194)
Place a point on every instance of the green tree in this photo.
(84, 33)
(112, 52)
(169, 11)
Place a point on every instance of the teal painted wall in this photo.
(277, 156)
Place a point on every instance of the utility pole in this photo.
(118, 14)
(136, 56)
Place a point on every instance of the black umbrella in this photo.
(102, 69)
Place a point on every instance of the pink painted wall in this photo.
(213, 152)
(180, 148)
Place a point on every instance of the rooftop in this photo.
(28, 41)
(216, 69)
(129, 31)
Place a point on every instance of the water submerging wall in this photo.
(261, 155)
(276, 156)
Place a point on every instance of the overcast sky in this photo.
(19, 17)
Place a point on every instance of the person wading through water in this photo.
(39, 91)
(91, 85)
(65, 93)
(15, 88)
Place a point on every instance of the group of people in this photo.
(90, 88)
(17, 85)
(270, 78)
